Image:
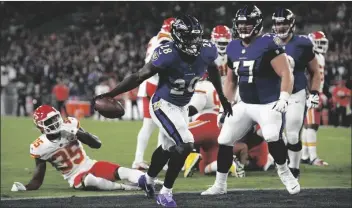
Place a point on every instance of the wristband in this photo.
(284, 95)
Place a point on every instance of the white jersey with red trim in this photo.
(321, 62)
(154, 42)
(205, 98)
(66, 155)
(221, 63)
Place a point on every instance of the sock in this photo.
(165, 190)
(283, 167)
(159, 159)
(278, 150)
(142, 139)
(225, 158)
(150, 180)
(160, 138)
(100, 183)
(211, 168)
(311, 135)
(221, 178)
(175, 164)
(294, 154)
(131, 175)
(305, 154)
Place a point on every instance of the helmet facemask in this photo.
(51, 125)
(283, 27)
(221, 45)
(189, 43)
(321, 46)
(247, 27)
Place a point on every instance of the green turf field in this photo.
(119, 141)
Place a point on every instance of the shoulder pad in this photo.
(305, 40)
(163, 55)
(38, 147)
(72, 121)
(211, 52)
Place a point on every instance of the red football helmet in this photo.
(221, 36)
(47, 119)
(321, 43)
(167, 25)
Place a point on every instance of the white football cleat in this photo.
(289, 181)
(140, 165)
(215, 190)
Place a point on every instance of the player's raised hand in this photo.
(17, 186)
(313, 100)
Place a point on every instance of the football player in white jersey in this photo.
(61, 145)
(145, 91)
(312, 120)
(221, 36)
(204, 106)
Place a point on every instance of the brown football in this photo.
(109, 107)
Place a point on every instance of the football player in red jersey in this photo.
(61, 145)
(312, 119)
(146, 90)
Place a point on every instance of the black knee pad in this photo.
(182, 149)
(295, 147)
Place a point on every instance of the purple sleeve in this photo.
(162, 56)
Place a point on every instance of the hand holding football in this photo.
(109, 107)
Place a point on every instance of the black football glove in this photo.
(226, 105)
(97, 97)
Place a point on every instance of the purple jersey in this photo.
(300, 49)
(178, 78)
(258, 82)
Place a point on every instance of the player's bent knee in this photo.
(271, 133)
(292, 137)
(184, 148)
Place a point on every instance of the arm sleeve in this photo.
(308, 53)
(274, 48)
(162, 57)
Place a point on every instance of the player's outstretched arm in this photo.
(230, 85)
(313, 68)
(91, 140)
(133, 81)
(37, 179)
(214, 77)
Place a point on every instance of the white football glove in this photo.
(282, 103)
(68, 131)
(17, 186)
(313, 100)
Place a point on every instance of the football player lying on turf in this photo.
(204, 107)
(61, 145)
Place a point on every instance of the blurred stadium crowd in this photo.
(60, 51)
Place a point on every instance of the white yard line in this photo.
(182, 192)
